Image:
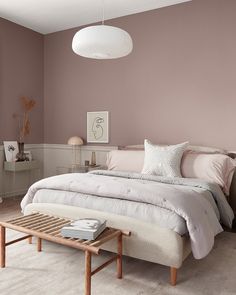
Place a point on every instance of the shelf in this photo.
(21, 166)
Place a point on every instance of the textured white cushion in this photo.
(163, 160)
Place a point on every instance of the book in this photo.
(85, 229)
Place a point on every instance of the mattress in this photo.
(142, 211)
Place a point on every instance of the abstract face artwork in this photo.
(97, 127)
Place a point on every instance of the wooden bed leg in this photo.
(2, 246)
(87, 273)
(173, 276)
(39, 245)
(30, 240)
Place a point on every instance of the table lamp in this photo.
(75, 141)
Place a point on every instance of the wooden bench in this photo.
(46, 227)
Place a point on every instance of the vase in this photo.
(21, 156)
(93, 159)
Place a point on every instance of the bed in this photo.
(183, 217)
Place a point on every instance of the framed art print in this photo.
(11, 150)
(98, 127)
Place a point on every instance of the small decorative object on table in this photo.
(28, 155)
(21, 156)
(11, 150)
(86, 229)
(24, 125)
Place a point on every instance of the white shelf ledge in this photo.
(21, 166)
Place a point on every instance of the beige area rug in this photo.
(60, 270)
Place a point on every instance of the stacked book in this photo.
(85, 229)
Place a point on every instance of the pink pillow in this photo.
(215, 168)
(122, 160)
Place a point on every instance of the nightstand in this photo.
(78, 169)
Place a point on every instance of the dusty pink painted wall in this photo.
(178, 84)
(21, 73)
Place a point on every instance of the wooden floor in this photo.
(10, 207)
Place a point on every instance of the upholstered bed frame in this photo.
(232, 196)
(148, 241)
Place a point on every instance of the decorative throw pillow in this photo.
(215, 168)
(131, 161)
(163, 160)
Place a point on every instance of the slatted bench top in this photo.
(48, 227)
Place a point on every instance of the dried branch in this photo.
(23, 120)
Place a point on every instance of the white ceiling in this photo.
(47, 16)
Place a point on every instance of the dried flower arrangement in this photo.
(23, 120)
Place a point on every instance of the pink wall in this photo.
(21, 73)
(178, 84)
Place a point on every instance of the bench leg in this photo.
(173, 276)
(2, 246)
(87, 273)
(39, 245)
(119, 257)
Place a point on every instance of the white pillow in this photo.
(163, 160)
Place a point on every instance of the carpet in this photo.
(60, 270)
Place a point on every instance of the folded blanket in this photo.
(179, 195)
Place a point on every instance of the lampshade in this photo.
(75, 140)
(102, 42)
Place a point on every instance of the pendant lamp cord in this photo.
(103, 12)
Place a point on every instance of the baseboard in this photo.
(13, 193)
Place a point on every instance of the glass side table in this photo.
(11, 169)
(78, 169)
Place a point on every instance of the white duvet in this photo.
(198, 203)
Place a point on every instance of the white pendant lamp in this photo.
(102, 42)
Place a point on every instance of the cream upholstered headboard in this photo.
(232, 195)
